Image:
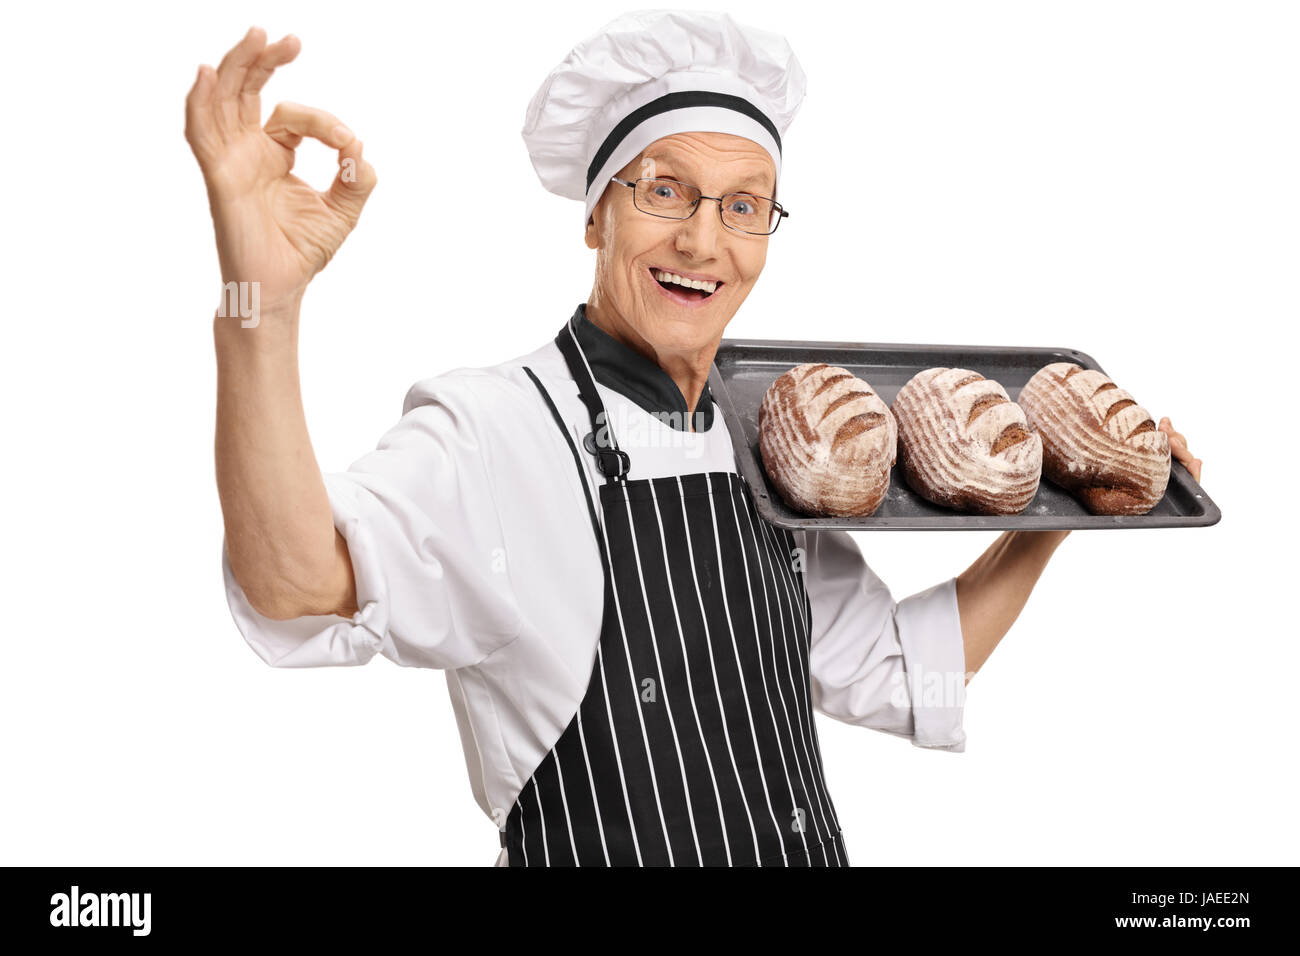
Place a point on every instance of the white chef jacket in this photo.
(473, 553)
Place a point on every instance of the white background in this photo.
(1120, 178)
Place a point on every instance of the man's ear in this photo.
(590, 237)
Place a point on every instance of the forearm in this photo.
(993, 591)
(280, 535)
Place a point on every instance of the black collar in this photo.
(630, 373)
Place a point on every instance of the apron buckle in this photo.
(610, 462)
(613, 462)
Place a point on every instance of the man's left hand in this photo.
(1178, 445)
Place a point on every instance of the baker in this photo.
(634, 655)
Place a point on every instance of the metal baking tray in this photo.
(743, 369)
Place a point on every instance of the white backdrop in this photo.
(1116, 177)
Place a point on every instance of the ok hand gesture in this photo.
(271, 227)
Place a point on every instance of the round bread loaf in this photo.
(964, 444)
(1099, 444)
(827, 441)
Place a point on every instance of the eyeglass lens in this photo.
(674, 200)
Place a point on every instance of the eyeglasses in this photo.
(669, 199)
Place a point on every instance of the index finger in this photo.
(290, 122)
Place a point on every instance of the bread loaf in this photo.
(964, 444)
(827, 441)
(1099, 444)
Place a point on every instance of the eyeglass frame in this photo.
(696, 205)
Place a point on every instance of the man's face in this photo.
(633, 246)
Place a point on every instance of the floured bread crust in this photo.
(827, 441)
(964, 444)
(1098, 442)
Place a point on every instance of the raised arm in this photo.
(993, 591)
(274, 233)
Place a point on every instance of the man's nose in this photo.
(699, 234)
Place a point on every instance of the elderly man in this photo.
(634, 655)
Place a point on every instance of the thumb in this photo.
(352, 186)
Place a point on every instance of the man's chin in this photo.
(684, 331)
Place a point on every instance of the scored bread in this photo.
(1099, 444)
(964, 444)
(827, 441)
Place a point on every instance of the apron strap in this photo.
(612, 461)
(577, 462)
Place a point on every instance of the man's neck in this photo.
(689, 372)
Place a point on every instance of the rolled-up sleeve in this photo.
(423, 533)
(897, 667)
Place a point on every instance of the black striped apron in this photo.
(695, 743)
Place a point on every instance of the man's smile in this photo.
(689, 290)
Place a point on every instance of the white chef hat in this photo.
(649, 74)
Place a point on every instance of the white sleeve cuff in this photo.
(934, 657)
(430, 592)
(325, 639)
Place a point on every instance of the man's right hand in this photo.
(271, 227)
